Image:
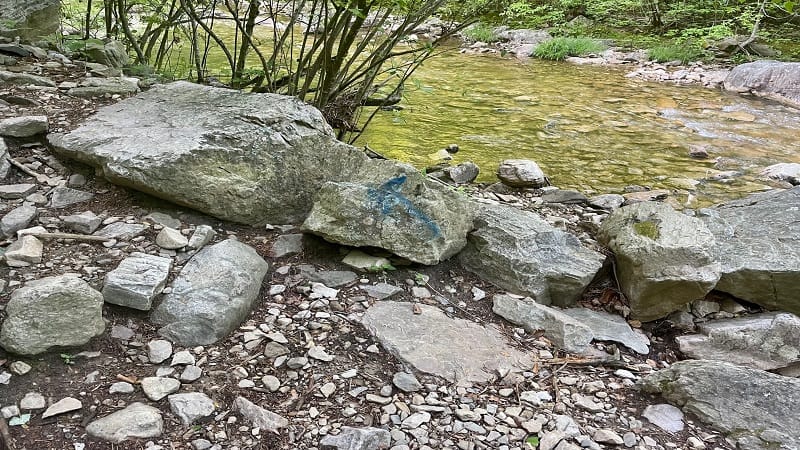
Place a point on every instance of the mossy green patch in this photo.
(647, 228)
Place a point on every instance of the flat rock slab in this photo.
(519, 251)
(64, 196)
(244, 157)
(135, 421)
(121, 230)
(24, 126)
(191, 407)
(454, 349)
(60, 311)
(758, 246)
(262, 418)
(350, 438)
(15, 191)
(610, 327)
(764, 341)
(664, 258)
(757, 408)
(137, 280)
(98, 87)
(212, 295)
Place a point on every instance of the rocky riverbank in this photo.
(270, 336)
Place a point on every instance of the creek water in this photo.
(590, 128)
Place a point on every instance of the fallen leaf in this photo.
(417, 309)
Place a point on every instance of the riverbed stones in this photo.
(244, 157)
(775, 80)
(212, 294)
(23, 126)
(664, 258)
(137, 280)
(262, 418)
(765, 341)
(191, 407)
(519, 251)
(350, 438)
(59, 311)
(30, 19)
(135, 421)
(463, 173)
(758, 245)
(564, 331)
(756, 408)
(394, 207)
(521, 173)
(610, 327)
(452, 348)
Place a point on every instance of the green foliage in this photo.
(648, 229)
(532, 441)
(676, 52)
(557, 49)
(67, 358)
(480, 32)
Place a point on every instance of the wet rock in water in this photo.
(262, 418)
(191, 407)
(286, 245)
(789, 172)
(212, 294)
(135, 421)
(431, 342)
(17, 219)
(24, 126)
(698, 151)
(764, 341)
(758, 245)
(64, 196)
(566, 332)
(664, 258)
(350, 438)
(758, 409)
(775, 80)
(60, 311)
(519, 251)
(610, 327)
(521, 173)
(393, 207)
(463, 173)
(137, 280)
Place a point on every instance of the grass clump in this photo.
(481, 32)
(674, 52)
(560, 48)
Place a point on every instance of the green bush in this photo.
(480, 32)
(559, 48)
(673, 52)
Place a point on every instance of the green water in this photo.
(588, 127)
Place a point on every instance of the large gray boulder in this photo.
(111, 54)
(29, 19)
(60, 311)
(663, 258)
(243, 157)
(395, 207)
(520, 252)
(764, 341)
(775, 80)
(758, 409)
(758, 245)
(212, 295)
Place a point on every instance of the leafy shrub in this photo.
(558, 49)
(480, 32)
(674, 52)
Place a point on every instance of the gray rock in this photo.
(86, 222)
(770, 79)
(519, 251)
(202, 235)
(15, 191)
(24, 79)
(32, 401)
(357, 439)
(121, 230)
(406, 382)
(566, 332)
(431, 342)
(191, 407)
(156, 388)
(121, 387)
(758, 245)
(330, 278)
(564, 196)
(23, 126)
(664, 416)
(396, 208)
(664, 258)
(183, 357)
(262, 418)
(171, 239)
(111, 54)
(362, 261)
(135, 421)
(17, 219)
(286, 245)
(24, 251)
(764, 341)
(30, 20)
(60, 311)
(65, 405)
(610, 327)
(381, 291)
(64, 196)
(5, 166)
(212, 294)
(747, 404)
(158, 350)
(521, 173)
(248, 158)
(191, 373)
(164, 219)
(463, 173)
(137, 280)
(99, 87)
(789, 172)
